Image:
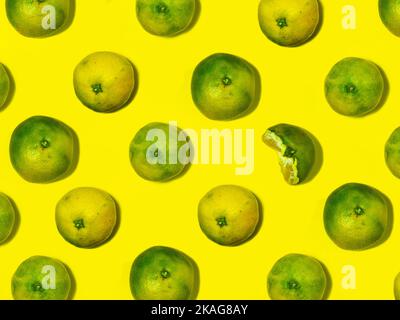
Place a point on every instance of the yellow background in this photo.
(165, 214)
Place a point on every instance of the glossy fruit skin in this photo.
(27, 16)
(163, 273)
(143, 148)
(299, 146)
(4, 85)
(228, 214)
(389, 12)
(86, 217)
(27, 282)
(396, 287)
(356, 216)
(354, 87)
(43, 149)
(7, 217)
(297, 277)
(165, 18)
(104, 81)
(288, 23)
(392, 153)
(224, 87)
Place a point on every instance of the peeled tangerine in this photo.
(296, 151)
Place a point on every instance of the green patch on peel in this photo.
(287, 158)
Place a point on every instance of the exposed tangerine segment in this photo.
(296, 151)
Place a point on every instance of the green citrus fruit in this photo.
(356, 216)
(104, 81)
(162, 273)
(86, 217)
(7, 217)
(38, 18)
(296, 151)
(224, 87)
(389, 11)
(165, 17)
(41, 278)
(297, 277)
(354, 87)
(288, 22)
(397, 287)
(392, 152)
(228, 214)
(43, 149)
(4, 85)
(158, 155)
